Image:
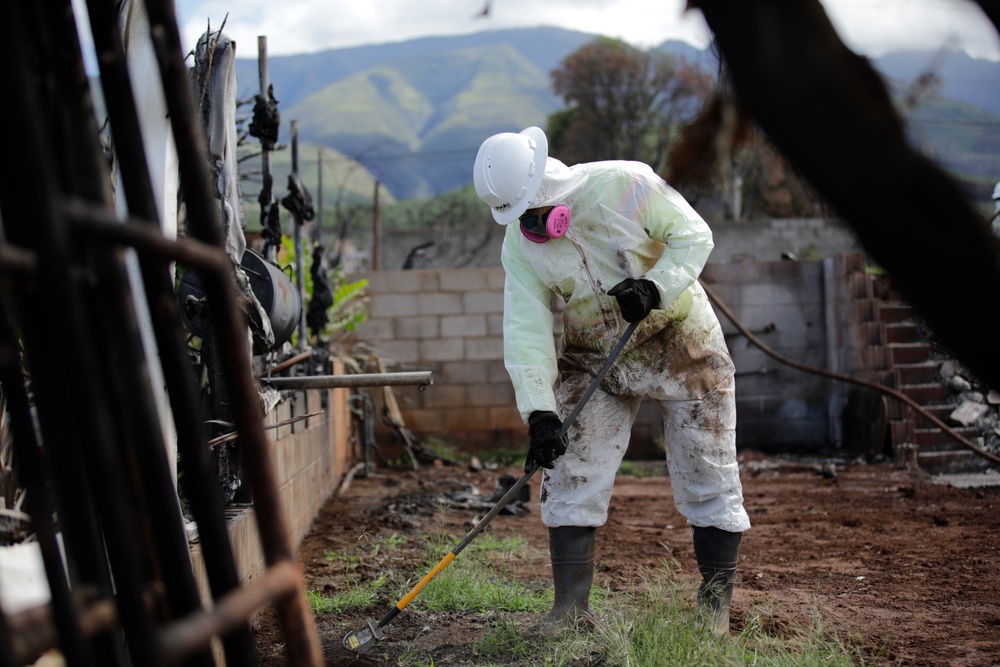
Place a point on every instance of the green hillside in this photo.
(961, 138)
(414, 113)
(418, 123)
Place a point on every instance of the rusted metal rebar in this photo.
(181, 639)
(287, 363)
(302, 640)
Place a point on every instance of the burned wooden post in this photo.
(264, 126)
(299, 204)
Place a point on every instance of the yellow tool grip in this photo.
(408, 598)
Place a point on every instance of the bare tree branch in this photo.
(829, 112)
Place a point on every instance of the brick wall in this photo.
(310, 459)
(450, 323)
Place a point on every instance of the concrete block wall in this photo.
(767, 240)
(310, 459)
(782, 305)
(449, 322)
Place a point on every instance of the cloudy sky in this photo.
(300, 26)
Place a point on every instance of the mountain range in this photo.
(413, 113)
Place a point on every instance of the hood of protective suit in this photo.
(559, 184)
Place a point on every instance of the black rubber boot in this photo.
(572, 551)
(717, 552)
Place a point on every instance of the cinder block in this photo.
(463, 326)
(399, 351)
(498, 373)
(379, 282)
(496, 278)
(465, 372)
(439, 303)
(394, 305)
(428, 326)
(425, 421)
(482, 302)
(489, 394)
(484, 348)
(507, 418)
(445, 396)
(442, 349)
(494, 324)
(283, 412)
(374, 329)
(469, 419)
(421, 280)
(463, 280)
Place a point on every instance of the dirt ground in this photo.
(910, 566)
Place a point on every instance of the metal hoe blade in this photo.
(362, 640)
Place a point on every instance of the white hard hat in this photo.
(996, 191)
(508, 171)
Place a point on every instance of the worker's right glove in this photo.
(635, 298)
(547, 441)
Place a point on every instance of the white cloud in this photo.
(301, 26)
(875, 26)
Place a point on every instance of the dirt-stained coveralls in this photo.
(626, 222)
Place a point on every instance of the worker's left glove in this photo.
(636, 297)
(547, 441)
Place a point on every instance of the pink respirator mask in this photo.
(541, 227)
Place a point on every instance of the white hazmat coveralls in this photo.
(626, 222)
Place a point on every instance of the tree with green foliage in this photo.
(622, 102)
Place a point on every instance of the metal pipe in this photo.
(421, 378)
(287, 363)
(195, 632)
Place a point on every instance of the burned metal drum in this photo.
(273, 288)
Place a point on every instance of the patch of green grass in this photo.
(360, 596)
(506, 641)
(658, 627)
(345, 557)
(504, 456)
(632, 469)
(489, 544)
(447, 451)
(394, 541)
(473, 588)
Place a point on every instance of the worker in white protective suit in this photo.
(619, 245)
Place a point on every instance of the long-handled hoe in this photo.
(360, 641)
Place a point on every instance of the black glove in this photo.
(635, 298)
(547, 442)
